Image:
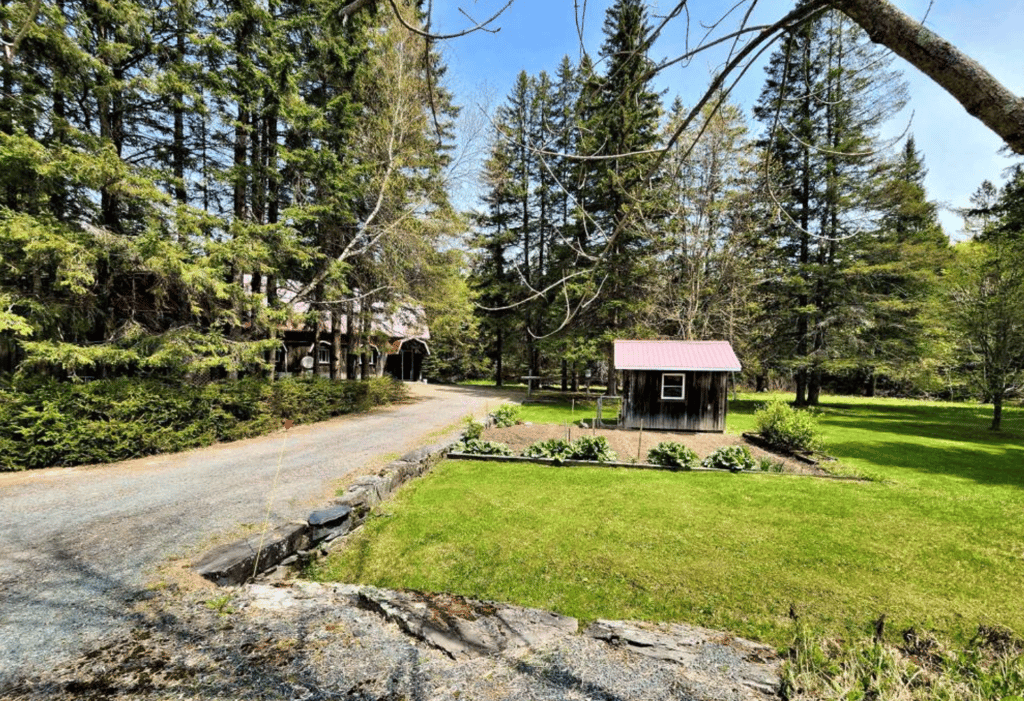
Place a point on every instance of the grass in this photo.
(937, 542)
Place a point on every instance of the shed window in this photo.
(672, 386)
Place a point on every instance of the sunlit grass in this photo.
(938, 542)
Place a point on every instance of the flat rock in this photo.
(236, 562)
(463, 628)
(327, 524)
(712, 656)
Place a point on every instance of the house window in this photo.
(672, 385)
(324, 355)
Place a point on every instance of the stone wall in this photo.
(299, 542)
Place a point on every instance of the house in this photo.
(675, 385)
(396, 338)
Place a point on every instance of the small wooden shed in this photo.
(675, 385)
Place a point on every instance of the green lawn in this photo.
(937, 541)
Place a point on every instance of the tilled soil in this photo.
(628, 444)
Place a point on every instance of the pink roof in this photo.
(676, 355)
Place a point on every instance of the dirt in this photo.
(628, 444)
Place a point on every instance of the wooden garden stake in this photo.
(640, 440)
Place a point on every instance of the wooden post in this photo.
(640, 440)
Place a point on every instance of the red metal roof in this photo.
(676, 355)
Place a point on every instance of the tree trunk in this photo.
(565, 374)
(813, 387)
(997, 411)
(613, 379)
(500, 341)
(337, 369)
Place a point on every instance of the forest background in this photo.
(156, 156)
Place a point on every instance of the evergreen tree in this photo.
(619, 217)
(896, 275)
(827, 92)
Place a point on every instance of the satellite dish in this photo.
(307, 362)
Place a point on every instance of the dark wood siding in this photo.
(703, 408)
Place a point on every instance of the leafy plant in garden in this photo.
(788, 428)
(730, 457)
(508, 415)
(473, 429)
(767, 464)
(583, 448)
(671, 454)
(475, 446)
(557, 449)
(591, 448)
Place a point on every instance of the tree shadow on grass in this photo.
(995, 466)
(941, 439)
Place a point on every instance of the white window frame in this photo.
(322, 351)
(681, 387)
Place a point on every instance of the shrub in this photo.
(591, 448)
(730, 457)
(557, 449)
(508, 415)
(47, 423)
(475, 446)
(473, 429)
(672, 454)
(788, 428)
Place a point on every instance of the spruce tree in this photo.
(619, 219)
(827, 93)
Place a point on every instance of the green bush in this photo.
(47, 423)
(788, 428)
(508, 415)
(671, 454)
(475, 446)
(730, 457)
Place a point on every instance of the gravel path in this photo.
(79, 545)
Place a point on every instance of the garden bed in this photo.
(625, 443)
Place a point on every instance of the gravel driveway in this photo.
(78, 545)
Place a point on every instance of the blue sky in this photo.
(959, 151)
